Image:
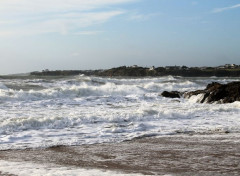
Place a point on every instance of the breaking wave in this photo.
(81, 110)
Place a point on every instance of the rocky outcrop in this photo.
(214, 93)
(173, 94)
(129, 71)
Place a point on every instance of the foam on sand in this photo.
(26, 169)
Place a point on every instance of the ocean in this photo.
(51, 111)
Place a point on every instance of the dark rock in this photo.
(173, 94)
(220, 93)
(214, 93)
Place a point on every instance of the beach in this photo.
(168, 155)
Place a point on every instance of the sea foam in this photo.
(85, 110)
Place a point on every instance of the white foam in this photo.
(196, 98)
(26, 169)
(2, 86)
(84, 110)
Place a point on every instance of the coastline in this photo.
(175, 155)
(136, 71)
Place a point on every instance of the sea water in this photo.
(50, 111)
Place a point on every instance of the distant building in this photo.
(46, 70)
(221, 67)
(152, 68)
(134, 66)
(230, 66)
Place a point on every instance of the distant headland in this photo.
(228, 70)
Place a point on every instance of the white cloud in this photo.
(41, 6)
(219, 10)
(142, 17)
(62, 24)
(28, 17)
(88, 32)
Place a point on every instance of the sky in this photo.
(101, 34)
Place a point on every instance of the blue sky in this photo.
(99, 34)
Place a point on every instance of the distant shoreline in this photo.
(135, 71)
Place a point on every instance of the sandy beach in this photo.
(173, 155)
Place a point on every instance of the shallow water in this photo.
(43, 112)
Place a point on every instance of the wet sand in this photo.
(175, 155)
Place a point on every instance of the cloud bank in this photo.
(142, 17)
(28, 17)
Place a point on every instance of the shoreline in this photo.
(174, 155)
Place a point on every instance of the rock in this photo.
(220, 93)
(214, 93)
(173, 94)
